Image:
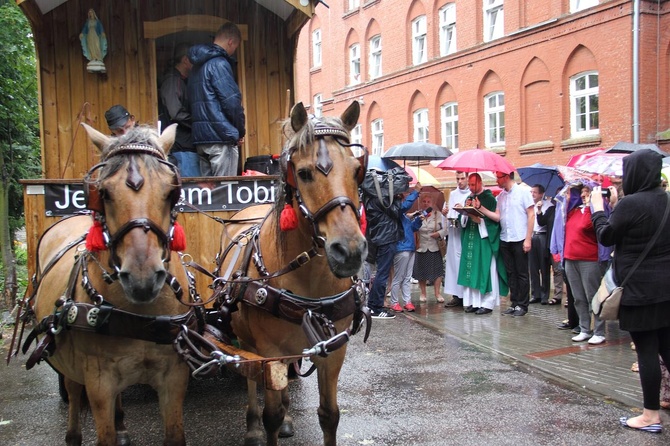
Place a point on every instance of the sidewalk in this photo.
(534, 343)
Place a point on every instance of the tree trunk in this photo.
(8, 261)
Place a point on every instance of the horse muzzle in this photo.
(346, 256)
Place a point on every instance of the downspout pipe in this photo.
(636, 71)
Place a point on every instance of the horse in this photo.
(107, 298)
(299, 290)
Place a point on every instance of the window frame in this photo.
(419, 40)
(580, 5)
(447, 24)
(587, 95)
(377, 133)
(355, 64)
(356, 135)
(494, 12)
(421, 132)
(494, 119)
(317, 105)
(375, 57)
(317, 54)
(450, 141)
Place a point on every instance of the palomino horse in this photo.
(300, 288)
(108, 304)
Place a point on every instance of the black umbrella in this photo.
(629, 147)
(417, 151)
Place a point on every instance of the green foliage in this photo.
(19, 118)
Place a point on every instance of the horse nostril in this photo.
(338, 250)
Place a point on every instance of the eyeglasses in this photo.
(501, 176)
(459, 179)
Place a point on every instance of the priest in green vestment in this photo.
(482, 272)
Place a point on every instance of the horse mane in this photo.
(300, 141)
(137, 138)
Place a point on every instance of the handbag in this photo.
(441, 242)
(606, 302)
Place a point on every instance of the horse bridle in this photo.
(324, 164)
(94, 202)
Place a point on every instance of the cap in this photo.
(117, 116)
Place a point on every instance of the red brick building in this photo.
(535, 80)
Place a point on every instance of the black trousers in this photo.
(516, 265)
(539, 264)
(648, 345)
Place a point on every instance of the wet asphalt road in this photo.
(408, 385)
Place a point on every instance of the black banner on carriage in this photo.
(228, 195)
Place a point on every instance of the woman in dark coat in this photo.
(645, 305)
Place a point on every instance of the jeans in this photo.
(384, 259)
(516, 264)
(188, 163)
(218, 160)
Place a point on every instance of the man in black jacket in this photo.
(383, 231)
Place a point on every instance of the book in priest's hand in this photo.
(468, 210)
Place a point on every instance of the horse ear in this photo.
(350, 115)
(99, 139)
(298, 116)
(166, 140)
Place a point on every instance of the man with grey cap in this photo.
(175, 109)
(119, 120)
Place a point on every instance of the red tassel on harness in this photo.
(364, 220)
(94, 239)
(288, 221)
(178, 242)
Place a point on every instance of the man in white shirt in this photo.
(452, 222)
(516, 221)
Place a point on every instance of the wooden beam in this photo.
(272, 374)
(175, 24)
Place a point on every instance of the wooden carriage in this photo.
(141, 37)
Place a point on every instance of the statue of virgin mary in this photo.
(94, 43)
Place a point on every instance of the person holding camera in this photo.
(645, 303)
(428, 260)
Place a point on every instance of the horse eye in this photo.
(104, 194)
(305, 175)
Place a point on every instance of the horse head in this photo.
(132, 192)
(322, 172)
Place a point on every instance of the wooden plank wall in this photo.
(70, 95)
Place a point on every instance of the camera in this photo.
(606, 193)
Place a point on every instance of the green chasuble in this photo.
(475, 268)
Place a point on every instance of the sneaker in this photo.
(409, 307)
(577, 330)
(510, 310)
(413, 280)
(396, 307)
(381, 314)
(595, 340)
(518, 311)
(581, 337)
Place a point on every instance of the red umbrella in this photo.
(476, 160)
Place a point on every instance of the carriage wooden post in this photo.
(141, 37)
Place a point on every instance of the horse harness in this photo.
(316, 316)
(102, 317)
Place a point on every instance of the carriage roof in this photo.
(141, 37)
